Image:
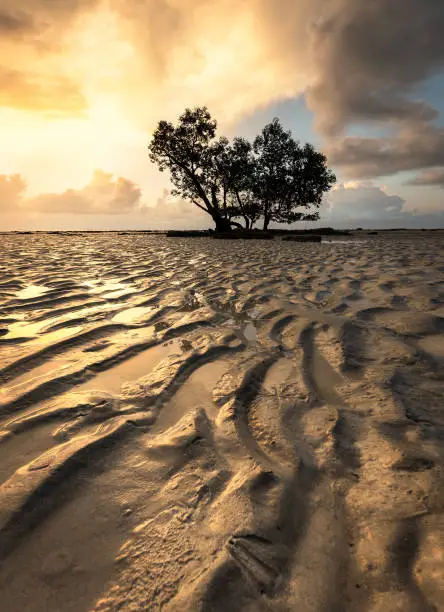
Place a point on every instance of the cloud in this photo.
(170, 212)
(370, 56)
(369, 206)
(433, 177)
(12, 188)
(415, 147)
(349, 205)
(41, 17)
(145, 60)
(100, 204)
(104, 195)
(30, 34)
(157, 56)
(357, 60)
(15, 22)
(33, 40)
(53, 94)
(363, 201)
(196, 51)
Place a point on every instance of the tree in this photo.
(288, 177)
(275, 178)
(190, 152)
(237, 165)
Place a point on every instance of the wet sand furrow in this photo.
(31, 493)
(36, 358)
(192, 424)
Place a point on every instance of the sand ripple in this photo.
(189, 424)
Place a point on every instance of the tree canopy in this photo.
(273, 178)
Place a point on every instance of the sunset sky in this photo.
(83, 84)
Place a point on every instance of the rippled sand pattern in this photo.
(189, 424)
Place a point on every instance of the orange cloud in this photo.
(54, 95)
(12, 188)
(109, 70)
(103, 195)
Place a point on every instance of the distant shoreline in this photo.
(251, 233)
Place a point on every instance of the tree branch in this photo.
(192, 176)
(199, 206)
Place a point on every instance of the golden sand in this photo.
(190, 424)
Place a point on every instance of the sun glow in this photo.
(92, 98)
(54, 152)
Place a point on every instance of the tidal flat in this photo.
(198, 424)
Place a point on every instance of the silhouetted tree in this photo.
(273, 178)
(288, 177)
(238, 167)
(189, 151)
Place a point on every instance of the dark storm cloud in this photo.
(370, 56)
(370, 60)
(420, 146)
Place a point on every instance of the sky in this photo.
(83, 84)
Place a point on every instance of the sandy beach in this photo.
(198, 424)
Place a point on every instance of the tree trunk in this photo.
(266, 222)
(222, 224)
(247, 223)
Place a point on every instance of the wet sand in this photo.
(190, 424)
